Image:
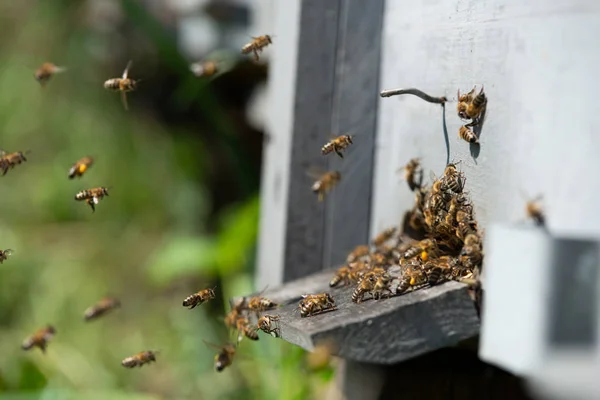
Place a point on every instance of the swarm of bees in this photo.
(445, 242)
(471, 107)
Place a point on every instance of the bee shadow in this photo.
(475, 148)
(445, 129)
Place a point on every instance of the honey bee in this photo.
(471, 256)
(465, 98)
(242, 325)
(378, 259)
(465, 133)
(269, 324)
(384, 236)
(39, 339)
(139, 359)
(4, 254)
(358, 252)
(9, 160)
(80, 167)
(204, 68)
(424, 246)
(257, 45)
(340, 275)
(325, 183)
(535, 212)
(224, 358)
(313, 304)
(100, 308)
(437, 272)
(259, 303)
(199, 297)
(466, 224)
(412, 277)
(46, 71)
(474, 109)
(92, 196)
(122, 84)
(453, 179)
(337, 145)
(365, 285)
(381, 286)
(411, 172)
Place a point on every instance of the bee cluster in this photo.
(441, 242)
(238, 318)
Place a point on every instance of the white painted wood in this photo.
(277, 149)
(538, 61)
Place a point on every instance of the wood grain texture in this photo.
(380, 332)
(312, 120)
(348, 211)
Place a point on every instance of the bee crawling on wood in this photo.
(365, 285)
(325, 183)
(413, 174)
(269, 324)
(412, 277)
(4, 254)
(92, 196)
(224, 358)
(39, 339)
(337, 144)
(139, 359)
(46, 71)
(257, 45)
(100, 308)
(123, 85)
(9, 160)
(381, 289)
(79, 168)
(199, 297)
(358, 252)
(313, 304)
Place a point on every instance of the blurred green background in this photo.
(183, 165)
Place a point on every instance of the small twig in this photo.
(413, 91)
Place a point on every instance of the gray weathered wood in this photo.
(312, 120)
(348, 210)
(380, 332)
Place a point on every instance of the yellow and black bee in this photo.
(9, 160)
(139, 359)
(92, 196)
(224, 358)
(39, 339)
(257, 45)
(100, 308)
(337, 145)
(79, 168)
(198, 298)
(204, 68)
(122, 84)
(46, 71)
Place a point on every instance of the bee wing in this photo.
(124, 99)
(315, 172)
(214, 346)
(126, 72)
(8, 252)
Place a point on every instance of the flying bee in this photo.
(336, 145)
(199, 297)
(534, 211)
(92, 196)
(413, 174)
(313, 304)
(9, 160)
(384, 236)
(259, 303)
(325, 183)
(39, 339)
(100, 308)
(4, 254)
(412, 277)
(224, 358)
(465, 133)
(358, 252)
(242, 325)
(122, 84)
(139, 359)
(80, 167)
(257, 45)
(365, 285)
(46, 71)
(204, 68)
(269, 324)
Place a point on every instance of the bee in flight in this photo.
(139, 359)
(4, 255)
(336, 145)
(224, 358)
(122, 84)
(199, 297)
(259, 303)
(102, 307)
(257, 45)
(80, 167)
(325, 183)
(9, 160)
(46, 71)
(204, 68)
(39, 339)
(92, 196)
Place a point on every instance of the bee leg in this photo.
(256, 56)
(124, 100)
(339, 153)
